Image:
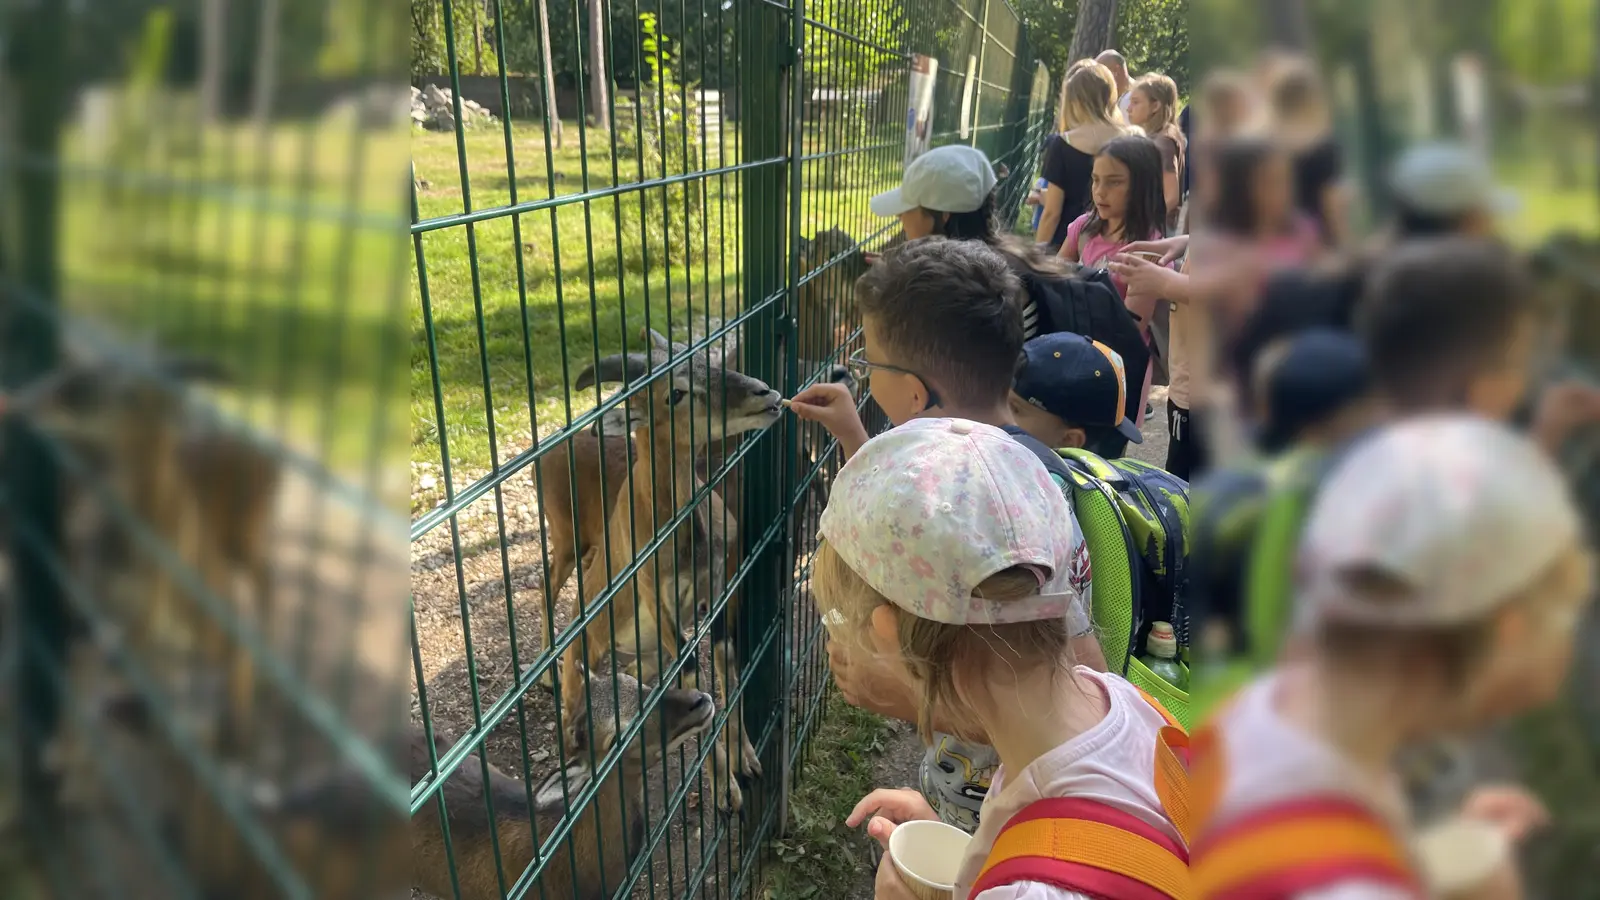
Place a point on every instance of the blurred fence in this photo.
(201, 293)
(571, 542)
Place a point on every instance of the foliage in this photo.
(427, 38)
(666, 139)
(1152, 34)
(881, 27)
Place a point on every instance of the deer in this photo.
(598, 468)
(609, 833)
(126, 426)
(231, 481)
(669, 419)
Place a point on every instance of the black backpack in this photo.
(1088, 304)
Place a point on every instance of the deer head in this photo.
(694, 394)
(611, 706)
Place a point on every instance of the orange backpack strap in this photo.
(1299, 846)
(1172, 771)
(1089, 847)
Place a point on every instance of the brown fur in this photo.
(605, 840)
(690, 566)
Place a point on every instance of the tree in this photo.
(1288, 26)
(547, 68)
(598, 80)
(1097, 21)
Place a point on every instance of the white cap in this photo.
(1461, 511)
(1448, 179)
(951, 179)
(927, 511)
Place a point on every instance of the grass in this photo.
(273, 253)
(819, 857)
(551, 292)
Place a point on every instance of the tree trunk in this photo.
(1096, 29)
(547, 68)
(1288, 26)
(477, 37)
(213, 50)
(266, 66)
(599, 81)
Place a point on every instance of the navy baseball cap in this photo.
(1320, 372)
(1077, 380)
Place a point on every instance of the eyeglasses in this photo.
(861, 367)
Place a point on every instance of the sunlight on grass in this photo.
(535, 298)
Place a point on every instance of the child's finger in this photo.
(879, 829)
(871, 804)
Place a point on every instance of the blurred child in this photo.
(941, 557)
(1439, 596)
(1455, 323)
(1314, 391)
(1068, 392)
(942, 336)
(1251, 203)
(1129, 206)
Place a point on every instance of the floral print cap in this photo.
(928, 510)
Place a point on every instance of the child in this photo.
(942, 557)
(1068, 392)
(1314, 391)
(1439, 597)
(1455, 323)
(942, 336)
(1128, 206)
(1251, 203)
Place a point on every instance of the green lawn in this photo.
(553, 289)
(275, 254)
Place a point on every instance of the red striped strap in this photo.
(1292, 847)
(1088, 847)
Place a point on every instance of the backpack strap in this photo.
(1172, 770)
(1300, 846)
(1089, 847)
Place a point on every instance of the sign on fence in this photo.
(919, 117)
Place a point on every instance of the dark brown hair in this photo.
(1146, 213)
(951, 311)
(1439, 312)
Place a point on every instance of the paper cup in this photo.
(1460, 855)
(928, 856)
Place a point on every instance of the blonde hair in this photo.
(933, 652)
(1162, 91)
(1088, 97)
(1457, 650)
(1295, 97)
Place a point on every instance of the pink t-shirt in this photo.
(1094, 252)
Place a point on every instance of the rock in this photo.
(427, 483)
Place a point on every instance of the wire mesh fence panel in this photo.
(201, 305)
(635, 227)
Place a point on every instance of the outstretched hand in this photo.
(831, 405)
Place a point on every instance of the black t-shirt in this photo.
(1050, 458)
(1314, 170)
(1070, 169)
(1293, 301)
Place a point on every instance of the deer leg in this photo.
(563, 560)
(726, 673)
(730, 799)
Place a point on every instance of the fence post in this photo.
(36, 75)
(763, 122)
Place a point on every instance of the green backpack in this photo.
(1135, 521)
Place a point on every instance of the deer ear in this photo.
(550, 798)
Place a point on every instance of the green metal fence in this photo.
(650, 516)
(202, 297)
